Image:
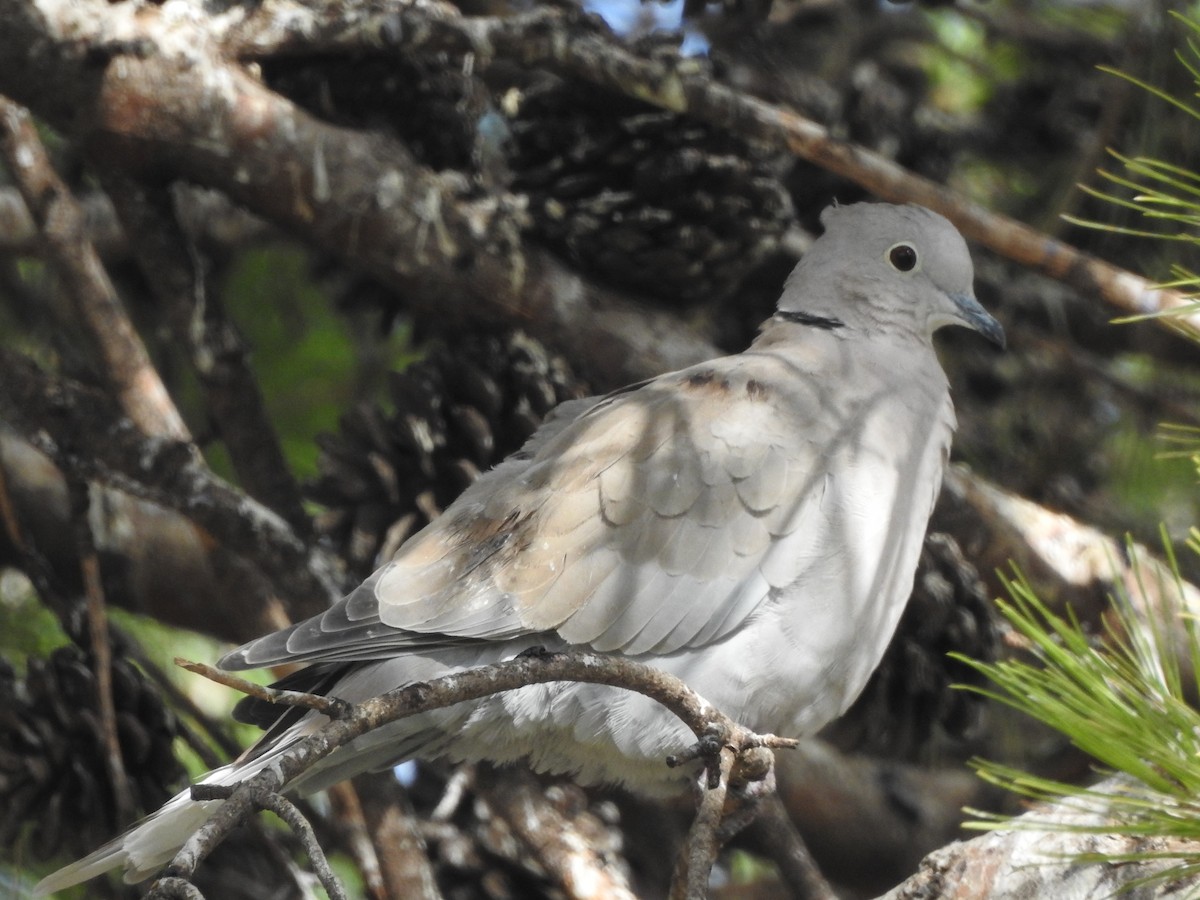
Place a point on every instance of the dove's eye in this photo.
(903, 257)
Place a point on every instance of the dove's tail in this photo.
(150, 844)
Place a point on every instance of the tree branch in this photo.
(167, 104)
(123, 359)
(231, 392)
(1069, 562)
(559, 40)
(77, 428)
(1035, 858)
(147, 550)
(266, 799)
(575, 866)
(19, 234)
(722, 740)
(693, 865)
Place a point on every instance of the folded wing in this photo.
(643, 522)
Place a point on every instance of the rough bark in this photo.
(1037, 859)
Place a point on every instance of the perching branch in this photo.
(694, 863)
(721, 739)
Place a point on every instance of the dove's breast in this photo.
(842, 573)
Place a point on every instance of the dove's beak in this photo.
(976, 317)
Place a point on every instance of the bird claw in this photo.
(708, 750)
(753, 758)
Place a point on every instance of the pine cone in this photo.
(433, 107)
(910, 709)
(52, 770)
(644, 198)
(456, 413)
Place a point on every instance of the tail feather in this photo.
(149, 845)
(145, 848)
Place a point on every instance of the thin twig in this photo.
(296, 820)
(329, 706)
(97, 619)
(300, 825)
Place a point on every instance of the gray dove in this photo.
(750, 524)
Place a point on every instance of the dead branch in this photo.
(176, 889)
(694, 862)
(147, 551)
(1068, 562)
(868, 821)
(272, 801)
(347, 809)
(391, 834)
(331, 707)
(368, 200)
(19, 234)
(774, 832)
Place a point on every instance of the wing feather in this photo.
(646, 521)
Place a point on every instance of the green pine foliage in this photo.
(1126, 696)
(1166, 195)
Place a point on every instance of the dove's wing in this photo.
(645, 522)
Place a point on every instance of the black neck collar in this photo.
(803, 318)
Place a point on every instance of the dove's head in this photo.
(901, 267)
